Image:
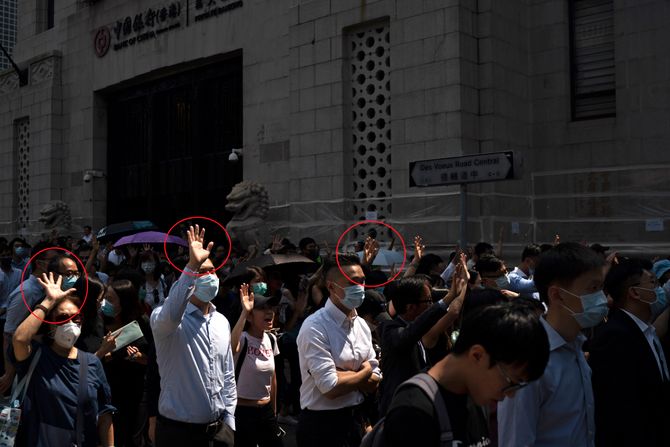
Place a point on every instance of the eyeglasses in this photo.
(512, 386)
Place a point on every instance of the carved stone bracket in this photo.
(8, 82)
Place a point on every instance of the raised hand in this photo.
(276, 243)
(557, 239)
(327, 249)
(146, 247)
(197, 251)
(52, 287)
(370, 250)
(419, 248)
(246, 298)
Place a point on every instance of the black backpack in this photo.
(375, 438)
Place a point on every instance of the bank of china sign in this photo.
(151, 23)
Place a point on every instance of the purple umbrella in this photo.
(150, 237)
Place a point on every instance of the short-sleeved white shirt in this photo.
(255, 380)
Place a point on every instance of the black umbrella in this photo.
(118, 230)
(292, 264)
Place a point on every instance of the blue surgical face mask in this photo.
(260, 288)
(206, 287)
(353, 296)
(21, 252)
(659, 304)
(594, 309)
(68, 282)
(107, 308)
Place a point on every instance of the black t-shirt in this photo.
(412, 420)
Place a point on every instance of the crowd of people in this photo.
(567, 348)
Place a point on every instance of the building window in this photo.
(7, 30)
(592, 59)
(370, 100)
(22, 185)
(45, 15)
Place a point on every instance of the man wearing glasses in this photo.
(198, 394)
(499, 350)
(630, 371)
(416, 327)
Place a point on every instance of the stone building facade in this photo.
(330, 101)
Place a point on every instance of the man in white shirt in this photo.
(631, 383)
(337, 362)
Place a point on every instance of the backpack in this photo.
(375, 438)
(243, 354)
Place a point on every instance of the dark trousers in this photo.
(329, 428)
(256, 426)
(171, 433)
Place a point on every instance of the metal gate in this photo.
(169, 142)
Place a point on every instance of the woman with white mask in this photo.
(154, 290)
(67, 385)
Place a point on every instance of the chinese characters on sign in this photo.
(155, 21)
(467, 169)
(212, 9)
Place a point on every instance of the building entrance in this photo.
(168, 145)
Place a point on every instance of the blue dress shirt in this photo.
(557, 409)
(16, 308)
(194, 358)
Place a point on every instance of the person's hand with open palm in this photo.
(197, 253)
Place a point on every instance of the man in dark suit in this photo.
(415, 328)
(629, 370)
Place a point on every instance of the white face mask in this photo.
(66, 335)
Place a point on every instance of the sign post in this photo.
(491, 167)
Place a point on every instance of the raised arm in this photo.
(247, 302)
(26, 330)
(166, 318)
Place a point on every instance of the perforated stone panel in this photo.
(22, 144)
(371, 128)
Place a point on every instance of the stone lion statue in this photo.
(56, 215)
(250, 204)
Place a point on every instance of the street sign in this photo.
(466, 169)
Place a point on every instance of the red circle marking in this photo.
(23, 295)
(230, 245)
(367, 222)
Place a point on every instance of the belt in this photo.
(211, 428)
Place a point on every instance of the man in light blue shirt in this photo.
(520, 279)
(558, 410)
(198, 393)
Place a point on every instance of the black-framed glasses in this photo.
(512, 386)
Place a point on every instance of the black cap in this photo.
(260, 301)
(599, 248)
